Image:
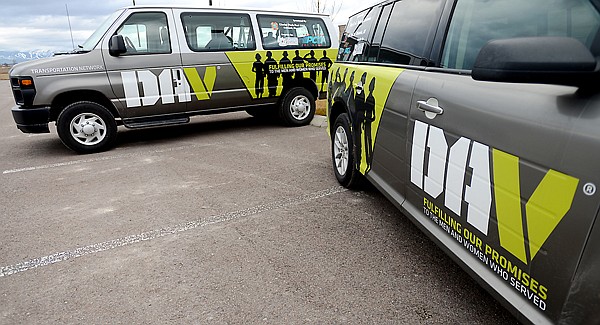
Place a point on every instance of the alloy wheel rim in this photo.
(340, 150)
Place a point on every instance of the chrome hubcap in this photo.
(300, 107)
(88, 129)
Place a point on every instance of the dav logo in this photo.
(144, 88)
(494, 177)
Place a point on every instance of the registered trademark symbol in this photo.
(589, 189)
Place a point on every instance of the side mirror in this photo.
(543, 60)
(116, 45)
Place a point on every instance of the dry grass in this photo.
(321, 107)
(4, 73)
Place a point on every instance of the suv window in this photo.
(356, 35)
(217, 32)
(475, 22)
(407, 34)
(284, 32)
(146, 33)
(401, 33)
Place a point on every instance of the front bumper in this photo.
(32, 120)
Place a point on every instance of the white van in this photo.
(153, 66)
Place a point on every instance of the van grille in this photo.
(17, 93)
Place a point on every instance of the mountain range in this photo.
(12, 57)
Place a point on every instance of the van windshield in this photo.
(93, 40)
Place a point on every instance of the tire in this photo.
(86, 127)
(342, 153)
(297, 107)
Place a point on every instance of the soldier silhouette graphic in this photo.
(359, 118)
(287, 76)
(369, 119)
(258, 69)
(325, 73)
(272, 77)
(298, 62)
(310, 58)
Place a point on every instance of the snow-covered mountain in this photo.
(10, 57)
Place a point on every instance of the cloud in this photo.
(43, 24)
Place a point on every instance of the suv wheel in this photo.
(342, 152)
(297, 107)
(86, 127)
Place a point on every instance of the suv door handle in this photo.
(430, 106)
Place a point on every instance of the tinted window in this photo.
(355, 39)
(146, 33)
(407, 33)
(284, 32)
(475, 22)
(373, 52)
(218, 32)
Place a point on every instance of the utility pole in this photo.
(70, 29)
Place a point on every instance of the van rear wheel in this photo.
(297, 107)
(86, 127)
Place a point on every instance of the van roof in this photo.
(252, 10)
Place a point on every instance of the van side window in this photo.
(409, 30)
(286, 32)
(146, 33)
(476, 22)
(205, 32)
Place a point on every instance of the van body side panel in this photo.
(146, 84)
(214, 82)
(268, 65)
(65, 73)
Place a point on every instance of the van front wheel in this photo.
(297, 107)
(86, 127)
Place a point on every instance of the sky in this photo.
(43, 24)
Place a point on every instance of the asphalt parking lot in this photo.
(226, 220)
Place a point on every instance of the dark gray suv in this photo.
(480, 120)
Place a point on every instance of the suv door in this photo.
(507, 172)
(147, 79)
(385, 48)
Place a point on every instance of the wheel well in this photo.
(63, 100)
(305, 83)
(336, 110)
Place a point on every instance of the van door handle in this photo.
(430, 106)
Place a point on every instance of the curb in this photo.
(319, 121)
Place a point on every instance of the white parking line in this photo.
(154, 234)
(83, 161)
